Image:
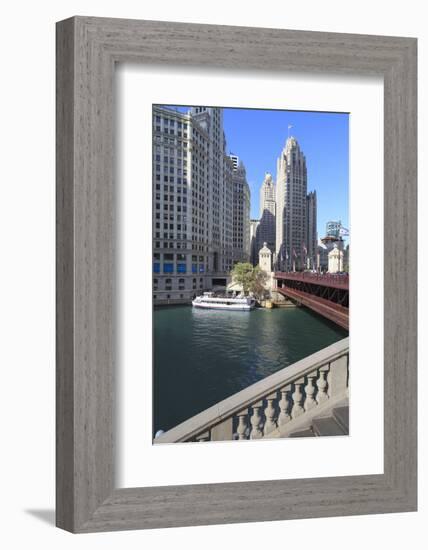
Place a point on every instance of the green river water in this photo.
(204, 356)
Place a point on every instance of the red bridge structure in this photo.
(326, 294)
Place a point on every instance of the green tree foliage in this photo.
(252, 279)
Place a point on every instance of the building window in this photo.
(156, 267)
(181, 268)
(168, 268)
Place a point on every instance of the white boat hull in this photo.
(210, 301)
(231, 307)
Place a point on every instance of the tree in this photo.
(252, 279)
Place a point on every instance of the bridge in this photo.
(326, 294)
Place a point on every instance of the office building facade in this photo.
(311, 230)
(241, 212)
(192, 203)
(267, 227)
(254, 248)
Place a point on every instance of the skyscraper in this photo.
(311, 229)
(241, 212)
(254, 248)
(219, 204)
(192, 203)
(291, 189)
(267, 227)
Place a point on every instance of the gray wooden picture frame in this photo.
(87, 51)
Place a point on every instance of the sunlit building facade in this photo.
(311, 230)
(267, 227)
(241, 212)
(291, 190)
(192, 203)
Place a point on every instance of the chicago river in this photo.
(204, 356)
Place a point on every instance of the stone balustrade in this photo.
(276, 405)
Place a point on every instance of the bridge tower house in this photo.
(265, 264)
(335, 259)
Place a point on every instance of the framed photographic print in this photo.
(211, 255)
(236, 274)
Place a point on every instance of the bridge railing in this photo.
(272, 406)
(333, 279)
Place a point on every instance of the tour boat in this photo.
(237, 303)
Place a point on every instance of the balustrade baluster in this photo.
(298, 398)
(322, 384)
(270, 413)
(256, 421)
(241, 430)
(310, 388)
(284, 405)
(337, 377)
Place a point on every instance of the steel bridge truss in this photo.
(322, 295)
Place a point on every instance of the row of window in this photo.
(172, 170)
(168, 296)
(171, 122)
(181, 284)
(171, 207)
(179, 236)
(181, 281)
(180, 257)
(172, 244)
(168, 150)
(171, 132)
(171, 198)
(171, 160)
(178, 268)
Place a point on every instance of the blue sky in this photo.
(257, 136)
